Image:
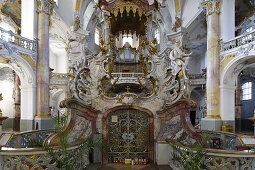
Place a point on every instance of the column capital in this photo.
(45, 6)
(211, 6)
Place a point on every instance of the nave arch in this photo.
(27, 77)
(228, 82)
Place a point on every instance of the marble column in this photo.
(16, 121)
(43, 118)
(212, 120)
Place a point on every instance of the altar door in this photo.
(128, 134)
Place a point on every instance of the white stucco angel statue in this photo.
(179, 60)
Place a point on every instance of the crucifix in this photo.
(127, 88)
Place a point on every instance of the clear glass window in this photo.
(247, 91)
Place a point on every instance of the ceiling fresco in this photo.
(12, 8)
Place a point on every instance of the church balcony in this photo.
(127, 78)
(238, 41)
(236, 48)
(58, 79)
(18, 41)
(197, 79)
(16, 45)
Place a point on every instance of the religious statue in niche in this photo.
(179, 60)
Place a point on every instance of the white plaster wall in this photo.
(227, 20)
(61, 65)
(58, 59)
(227, 99)
(7, 104)
(195, 65)
(29, 19)
(61, 97)
(7, 26)
(170, 6)
(191, 10)
(87, 15)
(53, 61)
(64, 9)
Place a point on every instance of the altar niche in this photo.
(129, 133)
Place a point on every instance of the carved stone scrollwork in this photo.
(82, 86)
(45, 6)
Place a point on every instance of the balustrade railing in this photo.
(228, 141)
(59, 75)
(37, 158)
(197, 76)
(238, 41)
(127, 75)
(10, 37)
(22, 140)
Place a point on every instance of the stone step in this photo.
(127, 167)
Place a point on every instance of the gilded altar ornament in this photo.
(29, 59)
(211, 6)
(72, 76)
(128, 6)
(128, 99)
(152, 47)
(45, 6)
(103, 46)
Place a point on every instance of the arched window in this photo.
(247, 91)
(96, 36)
